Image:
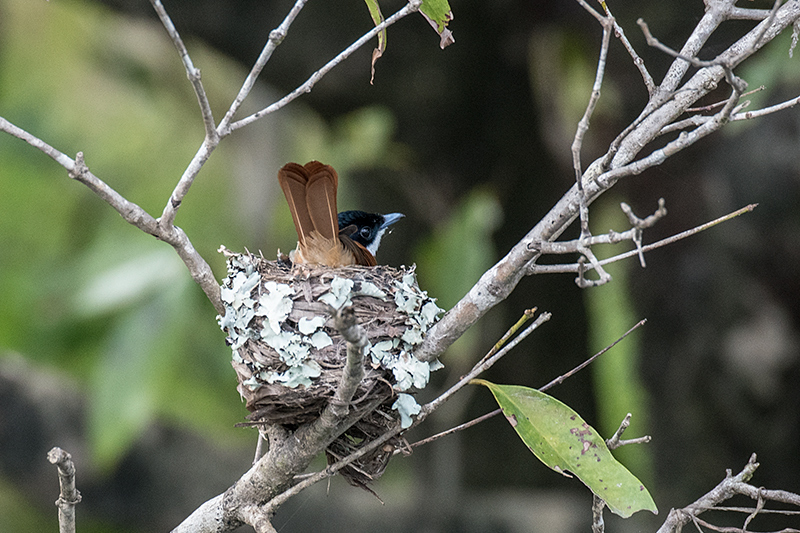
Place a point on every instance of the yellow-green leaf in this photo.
(377, 18)
(560, 438)
(438, 15)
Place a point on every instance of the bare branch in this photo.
(352, 373)
(255, 517)
(744, 13)
(526, 315)
(480, 368)
(598, 523)
(592, 11)
(131, 212)
(729, 487)
(560, 379)
(213, 133)
(192, 72)
(583, 124)
(357, 344)
(69, 496)
(455, 429)
(330, 470)
(747, 115)
(426, 410)
(620, 34)
(276, 37)
(226, 127)
(574, 267)
(598, 504)
(770, 17)
(411, 7)
(615, 442)
(667, 103)
(185, 182)
(63, 160)
(557, 381)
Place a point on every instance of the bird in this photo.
(325, 237)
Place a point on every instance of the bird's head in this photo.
(366, 228)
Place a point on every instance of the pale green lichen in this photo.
(273, 302)
(406, 406)
(307, 326)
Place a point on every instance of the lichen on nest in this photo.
(286, 352)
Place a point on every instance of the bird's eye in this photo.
(366, 232)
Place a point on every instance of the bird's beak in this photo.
(390, 219)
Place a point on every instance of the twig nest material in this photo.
(287, 354)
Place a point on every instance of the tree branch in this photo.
(729, 487)
(69, 496)
(215, 134)
(574, 267)
(276, 37)
(192, 72)
(425, 411)
(557, 381)
(131, 212)
(667, 102)
(411, 7)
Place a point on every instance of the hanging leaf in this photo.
(560, 438)
(438, 14)
(377, 18)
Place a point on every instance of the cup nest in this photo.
(288, 356)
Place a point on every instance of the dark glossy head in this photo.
(366, 228)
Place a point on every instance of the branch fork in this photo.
(583, 244)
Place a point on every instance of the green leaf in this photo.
(377, 18)
(560, 438)
(438, 14)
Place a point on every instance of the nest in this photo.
(288, 356)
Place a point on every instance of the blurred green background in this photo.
(109, 350)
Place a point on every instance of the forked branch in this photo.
(670, 99)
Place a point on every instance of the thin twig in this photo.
(615, 441)
(749, 510)
(131, 212)
(411, 7)
(583, 127)
(276, 37)
(560, 379)
(727, 488)
(69, 496)
(715, 105)
(482, 367)
(526, 315)
(583, 124)
(592, 11)
(60, 158)
(192, 72)
(574, 267)
(452, 430)
(747, 115)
